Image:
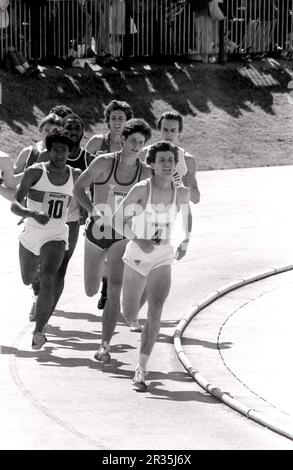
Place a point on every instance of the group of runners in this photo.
(127, 195)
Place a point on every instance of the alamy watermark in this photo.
(147, 223)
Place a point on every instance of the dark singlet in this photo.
(110, 192)
(82, 161)
(106, 144)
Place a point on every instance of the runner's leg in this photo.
(60, 276)
(133, 287)
(52, 254)
(94, 259)
(28, 265)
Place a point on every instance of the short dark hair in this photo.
(72, 116)
(52, 119)
(61, 110)
(58, 135)
(173, 116)
(116, 105)
(137, 125)
(162, 146)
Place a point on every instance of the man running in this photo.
(29, 155)
(115, 116)
(112, 175)
(78, 158)
(170, 125)
(155, 204)
(48, 188)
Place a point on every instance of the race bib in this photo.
(56, 205)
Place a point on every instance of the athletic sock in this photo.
(143, 359)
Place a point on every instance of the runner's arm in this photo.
(19, 166)
(184, 208)
(7, 172)
(189, 180)
(84, 182)
(128, 208)
(94, 144)
(30, 177)
(7, 193)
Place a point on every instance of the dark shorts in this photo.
(101, 236)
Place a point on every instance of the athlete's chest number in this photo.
(55, 208)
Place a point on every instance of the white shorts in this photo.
(33, 238)
(144, 263)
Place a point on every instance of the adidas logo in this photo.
(137, 261)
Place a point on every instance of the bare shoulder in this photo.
(189, 160)
(33, 173)
(139, 191)
(146, 170)
(142, 185)
(44, 156)
(143, 153)
(94, 143)
(104, 160)
(76, 172)
(100, 166)
(96, 138)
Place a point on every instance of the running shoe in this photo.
(39, 339)
(139, 379)
(103, 353)
(135, 327)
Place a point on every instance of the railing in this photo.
(18, 31)
(144, 28)
(258, 26)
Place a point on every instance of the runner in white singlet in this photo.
(48, 188)
(152, 206)
(170, 125)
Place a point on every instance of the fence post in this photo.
(222, 58)
(127, 37)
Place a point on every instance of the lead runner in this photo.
(152, 207)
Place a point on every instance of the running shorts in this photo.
(33, 238)
(100, 235)
(144, 263)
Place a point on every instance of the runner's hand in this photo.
(40, 217)
(181, 250)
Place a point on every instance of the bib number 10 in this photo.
(55, 208)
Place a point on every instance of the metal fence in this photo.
(143, 28)
(258, 26)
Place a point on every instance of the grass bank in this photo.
(235, 116)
